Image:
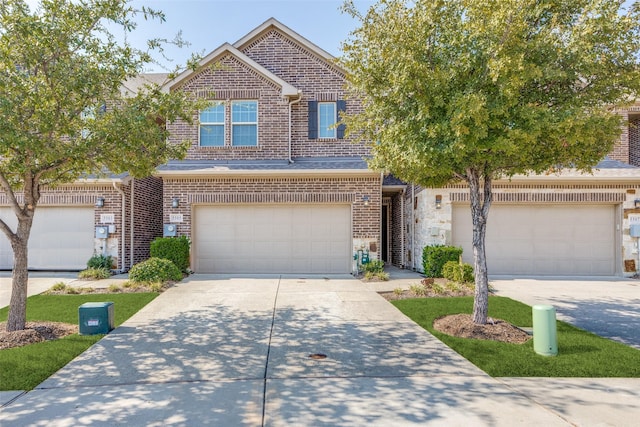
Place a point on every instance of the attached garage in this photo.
(271, 238)
(550, 239)
(61, 238)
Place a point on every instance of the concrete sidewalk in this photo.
(218, 350)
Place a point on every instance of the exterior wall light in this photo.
(99, 202)
(175, 202)
(438, 201)
(636, 203)
(365, 199)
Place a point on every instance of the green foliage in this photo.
(60, 286)
(417, 290)
(398, 291)
(97, 273)
(435, 257)
(155, 270)
(23, 368)
(113, 288)
(580, 353)
(454, 270)
(374, 266)
(100, 261)
(175, 249)
(376, 275)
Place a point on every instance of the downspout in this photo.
(413, 228)
(295, 101)
(122, 231)
(402, 234)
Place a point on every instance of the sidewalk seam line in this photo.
(266, 365)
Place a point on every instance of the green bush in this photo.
(374, 266)
(155, 270)
(461, 273)
(95, 273)
(435, 257)
(100, 261)
(175, 249)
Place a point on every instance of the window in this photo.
(244, 123)
(323, 117)
(212, 126)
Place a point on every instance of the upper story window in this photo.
(212, 126)
(244, 123)
(324, 119)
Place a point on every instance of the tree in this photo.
(475, 90)
(62, 111)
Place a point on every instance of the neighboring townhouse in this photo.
(565, 224)
(270, 184)
(114, 215)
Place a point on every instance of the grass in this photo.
(580, 353)
(23, 368)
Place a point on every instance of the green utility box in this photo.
(95, 318)
(545, 338)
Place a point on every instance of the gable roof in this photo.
(273, 23)
(226, 48)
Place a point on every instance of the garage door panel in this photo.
(61, 238)
(543, 239)
(277, 238)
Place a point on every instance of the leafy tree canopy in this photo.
(63, 108)
(497, 86)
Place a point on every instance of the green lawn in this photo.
(23, 368)
(580, 353)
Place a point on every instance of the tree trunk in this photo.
(20, 278)
(481, 196)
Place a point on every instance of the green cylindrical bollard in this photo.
(545, 339)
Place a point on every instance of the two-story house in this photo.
(270, 184)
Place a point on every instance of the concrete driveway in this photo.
(609, 308)
(228, 351)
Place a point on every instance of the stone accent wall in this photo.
(212, 191)
(634, 140)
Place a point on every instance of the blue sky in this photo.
(207, 24)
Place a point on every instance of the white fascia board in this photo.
(573, 175)
(287, 89)
(222, 171)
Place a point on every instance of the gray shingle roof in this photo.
(315, 163)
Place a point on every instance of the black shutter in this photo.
(341, 106)
(313, 119)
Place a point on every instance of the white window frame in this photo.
(242, 123)
(327, 131)
(213, 124)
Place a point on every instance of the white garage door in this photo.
(272, 239)
(61, 238)
(543, 239)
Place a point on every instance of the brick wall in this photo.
(231, 79)
(147, 215)
(211, 191)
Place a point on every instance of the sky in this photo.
(207, 24)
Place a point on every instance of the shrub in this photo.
(95, 273)
(376, 275)
(461, 273)
(418, 290)
(434, 258)
(175, 249)
(374, 266)
(60, 286)
(100, 261)
(155, 270)
(114, 288)
(398, 291)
